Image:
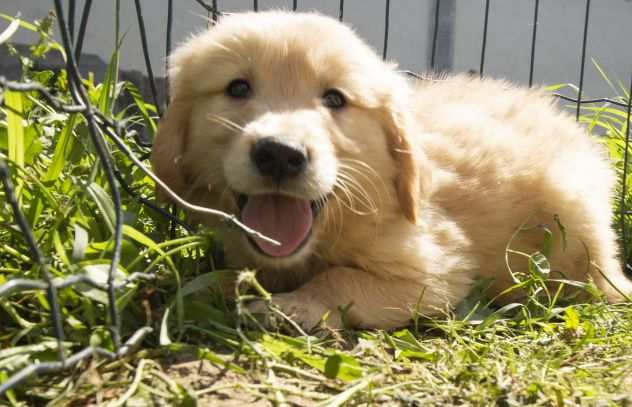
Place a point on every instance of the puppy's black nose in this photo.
(275, 159)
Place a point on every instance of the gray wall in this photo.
(558, 47)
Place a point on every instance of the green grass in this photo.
(543, 351)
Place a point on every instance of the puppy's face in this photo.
(290, 122)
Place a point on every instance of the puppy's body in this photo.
(505, 157)
(404, 194)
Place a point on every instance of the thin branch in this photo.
(52, 367)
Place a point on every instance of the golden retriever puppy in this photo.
(388, 196)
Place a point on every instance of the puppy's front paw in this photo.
(304, 310)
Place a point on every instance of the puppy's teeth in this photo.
(209, 187)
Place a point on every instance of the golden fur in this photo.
(428, 181)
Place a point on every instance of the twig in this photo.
(50, 367)
(132, 389)
(37, 257)
(36, 87)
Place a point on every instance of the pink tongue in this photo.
(284, 219)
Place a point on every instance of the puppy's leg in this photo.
(369, 301)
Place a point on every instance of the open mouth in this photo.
(286, 219)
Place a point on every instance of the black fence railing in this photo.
(99, 127)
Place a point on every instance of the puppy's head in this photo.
(290, 121)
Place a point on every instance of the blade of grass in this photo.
(106, 97)
(110, 82)
(15, 131)
(10, 30)
(62, 149)
(347, 395)
(104, 203)
(604, 76)
(59, 248)
(32, 27)
(142, 106)
(158, 248)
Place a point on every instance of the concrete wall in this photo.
(558, 48)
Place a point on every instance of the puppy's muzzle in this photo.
(278, 160)
(287, 219)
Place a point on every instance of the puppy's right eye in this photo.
(239, 89)
(334, 99)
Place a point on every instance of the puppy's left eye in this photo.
(334, 99)
(239, 89)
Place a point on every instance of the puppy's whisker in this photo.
(336, 216)
(349, 201)
(336, 201)
(221, 46)
(324, 211)
(363, 169)
(363, 175)
(342, 187)
(354, 186)
(372, 174)
(229, 124)
(337, 227)
(360, 163)
(351, 198)
(355, 183)
(366, 171)
(356, 193)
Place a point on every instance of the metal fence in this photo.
(100, 127)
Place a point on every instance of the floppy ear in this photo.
(169, 144)
(413, 176)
